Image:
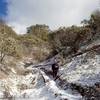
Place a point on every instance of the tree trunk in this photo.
(2, 57)
(87, 50)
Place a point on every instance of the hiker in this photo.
(55, 69)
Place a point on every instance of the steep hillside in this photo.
(36, 83)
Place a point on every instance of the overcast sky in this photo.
(55, 13)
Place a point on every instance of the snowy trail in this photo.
(51, 84)
(43, 87)
(48, 91)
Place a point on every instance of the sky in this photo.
(21, 14)
(3, 8)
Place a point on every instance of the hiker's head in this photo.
(56, 60)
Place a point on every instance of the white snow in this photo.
(44, 88)
(83, 70)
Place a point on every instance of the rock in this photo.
(27, 64)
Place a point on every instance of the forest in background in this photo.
(41, 43)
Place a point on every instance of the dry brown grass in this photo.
(3, 75)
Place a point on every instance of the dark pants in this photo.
(55, 73)
(55, 69)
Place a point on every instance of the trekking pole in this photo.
(41, 65)
(58, 77)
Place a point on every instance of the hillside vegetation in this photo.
(40, 43)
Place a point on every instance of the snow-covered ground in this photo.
(37, 85)
(83, 69)
(34, 86)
